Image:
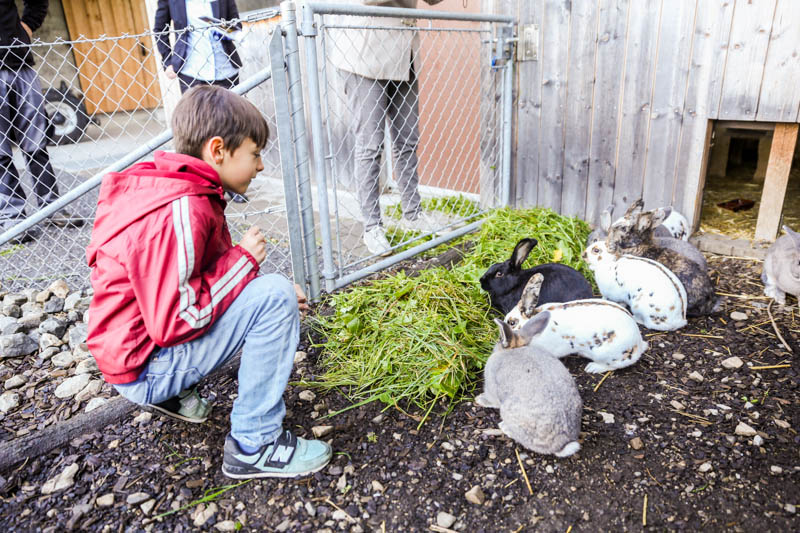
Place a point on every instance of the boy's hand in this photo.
(255, 243)
(302, 302)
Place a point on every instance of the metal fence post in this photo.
(315, 108)
(505, 47)
(283, 119)
(300, 141)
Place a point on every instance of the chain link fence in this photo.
(433, 145)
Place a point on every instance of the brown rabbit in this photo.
(633, 234)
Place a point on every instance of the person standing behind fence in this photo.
(380, 82)
(23, 121)
(198, 57)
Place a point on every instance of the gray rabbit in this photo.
(781, 272)
(539, 403)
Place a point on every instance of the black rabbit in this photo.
(505, 281)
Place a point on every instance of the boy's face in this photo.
(238, 168)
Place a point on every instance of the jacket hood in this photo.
(127, 196)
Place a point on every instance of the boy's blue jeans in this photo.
(264, 322)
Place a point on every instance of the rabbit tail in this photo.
(569, 449)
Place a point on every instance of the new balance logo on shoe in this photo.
(282, 454)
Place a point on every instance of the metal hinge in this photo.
(528, 42)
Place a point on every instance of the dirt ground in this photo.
(660, 451)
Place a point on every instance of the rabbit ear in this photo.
(793, 235)
(506, 335)
(605, 218)
(635, 208)
(521, 251)
(530, 295)
(533, 327)
(657, 216)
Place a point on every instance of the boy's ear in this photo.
(213, 150)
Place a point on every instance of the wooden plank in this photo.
(612, 17)
(747, 51)
(580, 88)
(666, 116)
(528, 108)
(553, 56)
(711, 28)
(148, 73)
(780, 90)
(784, 140)
(639, 65)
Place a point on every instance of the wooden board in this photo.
(580, 89)
(528, 110)
(784, 140)
(669, 93)
(612, 18)
(780, 91)
(115, 74)
(639, 64)
(553, 57)
(747, 50)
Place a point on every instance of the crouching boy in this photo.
(174, 298)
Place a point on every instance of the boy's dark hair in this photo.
(206, 111)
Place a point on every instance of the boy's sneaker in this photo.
(376, 242)
(65, 219)
(187, 406)
(26, 236)
(423, 223)
(288, 456)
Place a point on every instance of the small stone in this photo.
(62, 481)
(147, 506)
(63, 359)
(14, 299)
(283, 526)
(782, 423)
(321, 431)
(636, 443)
(54, 305)
(445, 520)
(758, 440)
(8, 401)
(549, 469)
(678, 356)
(310, 509)
(44, 355)
(136, 498)
(106, 500)
(608, 418)
(31, 321)
(53, 325)
(299, 357)
(696, 376)
(89, 391)
(377, 486)
(59, 287)
(47, 340)
(475, 495)
(732, 362)
(339, 514)
(790, 508)
(341, 485)
(14, 382)
(143, 418)
(94, 403)
(705, 467)
(377, 419)
(738, 316)
(71, 386)
(86, 366)
(78, 334)
(307, 395)
(447, 446)
(745, 430)
(775, 469)
(225, 525)
(17, 345)
(677, 405)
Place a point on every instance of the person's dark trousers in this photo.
(187, 82)
(12, 197)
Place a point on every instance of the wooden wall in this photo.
(618, 104)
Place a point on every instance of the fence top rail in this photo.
(327, 8)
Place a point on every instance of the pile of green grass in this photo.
(409, 342)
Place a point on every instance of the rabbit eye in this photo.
(498, 275)
(512, 322)
(596, 250)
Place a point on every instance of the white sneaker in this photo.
(375, 240)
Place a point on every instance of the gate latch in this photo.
(527, 42)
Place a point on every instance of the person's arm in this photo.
(33, 14)
(161, 24)
(177, 300)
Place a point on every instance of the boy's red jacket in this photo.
(163, 264)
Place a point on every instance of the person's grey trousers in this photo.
(371, 102)
(23, 122)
